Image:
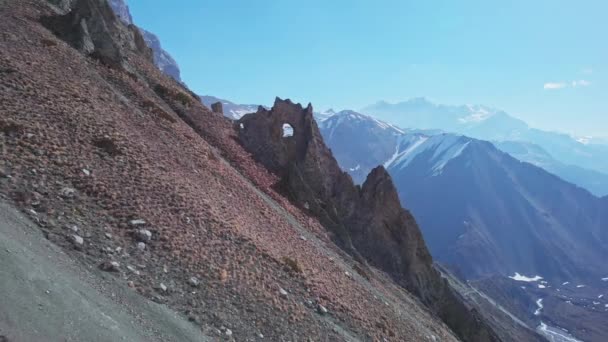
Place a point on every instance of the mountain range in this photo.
(533, 243)
(498, 215)
(490, 124)
(234, 230)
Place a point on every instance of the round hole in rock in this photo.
(287, 130)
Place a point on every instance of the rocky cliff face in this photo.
(122, 11)
(368, 221)
(162, 58)
(92, 28)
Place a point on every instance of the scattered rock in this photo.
(133, 270)
(131, 284)
(322, 310)
(143, 235)
(77, 241)
(162, 287)
(109, 266)
(141, 246)
(67, 192)
(86, 172)
(282, 292)
(193, 281)
(223, 276)
(108, 235)
(228, 332)
(137, 222)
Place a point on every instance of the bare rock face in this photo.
(217, 108)
(92, 28)
(368, 222)
(121, 9)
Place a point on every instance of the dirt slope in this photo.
(102, 152)
(52, 295)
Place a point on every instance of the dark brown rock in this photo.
(92, 28)
(368, 221)
(217, 108)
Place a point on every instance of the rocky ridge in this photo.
(163, 60)
(368, 221)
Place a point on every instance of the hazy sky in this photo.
(544, 61)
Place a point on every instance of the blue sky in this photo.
(544, 61)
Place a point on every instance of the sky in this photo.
(543, 61)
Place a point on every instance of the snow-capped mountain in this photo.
(472, 120)
(322, 116)
(480, 209)
(490, 124)
(445, 147)
(374, 143)
(162, 59)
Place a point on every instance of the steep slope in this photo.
(490, 124)
(47, 293)
(500, 215)
(368, 222)
(130, 173)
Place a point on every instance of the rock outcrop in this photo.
(92, 27)
(368, 221)
(163, 60)
(122, 11)
(217, 108)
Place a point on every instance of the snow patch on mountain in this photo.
(414, 142)
(445, 147)
(539, 303)
(520, 277)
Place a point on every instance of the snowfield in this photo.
(520, 277)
